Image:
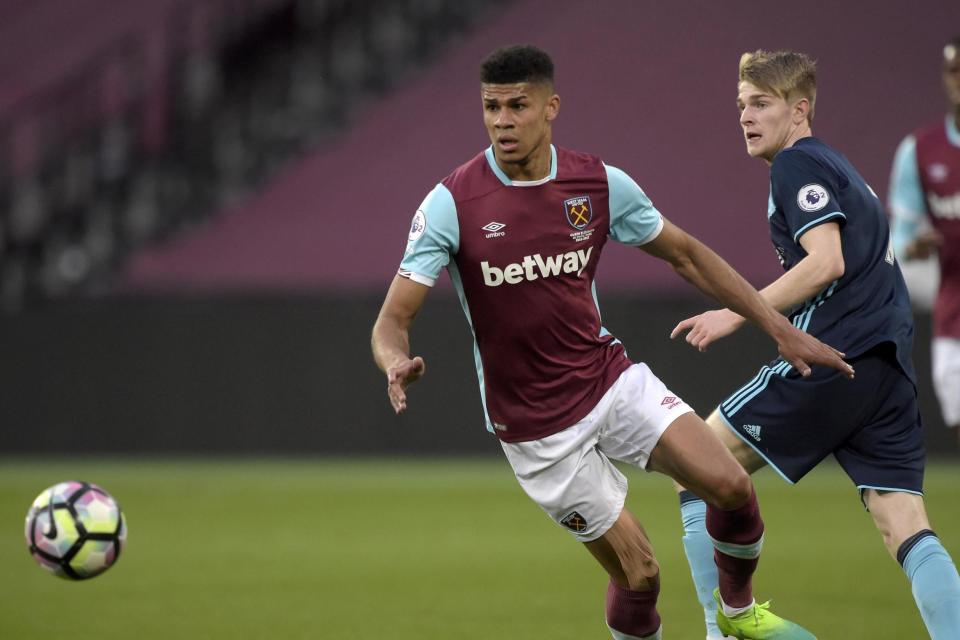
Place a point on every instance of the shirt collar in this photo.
(497, 171)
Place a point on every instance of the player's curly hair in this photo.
(517, 63)
(786, 74)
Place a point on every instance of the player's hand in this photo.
(708, 327)
(801, 350)
(924, 245)
(399, 377)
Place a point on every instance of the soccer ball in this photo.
(75, 530)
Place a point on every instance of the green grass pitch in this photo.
(380, 549)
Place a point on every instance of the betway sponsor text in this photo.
(536, 266)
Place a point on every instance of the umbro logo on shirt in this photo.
(753, 430)
(494, 229)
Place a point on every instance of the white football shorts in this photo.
(945, 353)
(570, 475)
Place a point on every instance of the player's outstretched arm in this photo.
(707, 271)
(390, 340)
(822, 265)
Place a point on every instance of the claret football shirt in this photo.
(522, 257)
(926, 181)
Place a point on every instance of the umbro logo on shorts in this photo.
(672, 401)
(575, 522)
(753, 430)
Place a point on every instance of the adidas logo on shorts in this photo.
(753, 430)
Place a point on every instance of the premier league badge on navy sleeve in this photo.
(812, 197)
(579, 212)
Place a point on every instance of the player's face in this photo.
(770, 123)
(951, 74)
(518, 117)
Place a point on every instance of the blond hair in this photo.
(785, 74)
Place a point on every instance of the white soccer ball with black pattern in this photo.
(76, 530)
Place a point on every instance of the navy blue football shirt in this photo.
(812, 184)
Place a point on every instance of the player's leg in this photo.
(696, 543)
(625, 552)
(690, 454)
(945, 356)
(653, 429)
(744, 453)
(693, 456)
(765, 422)
(902, 520)
(581, 490)
(885, 458)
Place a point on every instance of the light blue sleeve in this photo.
(906, 200)
(434, 237)
(633, 218)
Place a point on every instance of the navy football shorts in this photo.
(871, 424)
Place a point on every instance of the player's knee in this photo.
(636, 573)
(644, 577)
(640, 567)
(733, 491)
(890, 542)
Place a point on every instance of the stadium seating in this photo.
(659, 106)
(136, 127)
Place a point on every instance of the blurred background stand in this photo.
(202, 202)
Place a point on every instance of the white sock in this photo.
(735, 611)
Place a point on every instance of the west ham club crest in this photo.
(575, 522)
(579, 212)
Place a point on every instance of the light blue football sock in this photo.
(935, 583)
(699, 550)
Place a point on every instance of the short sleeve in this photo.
(434, 237)
(805, 191)
(633, 218)
(906, 200)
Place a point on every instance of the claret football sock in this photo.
(935, 583)
(632, 615)
(737, 536)
(699, 550)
